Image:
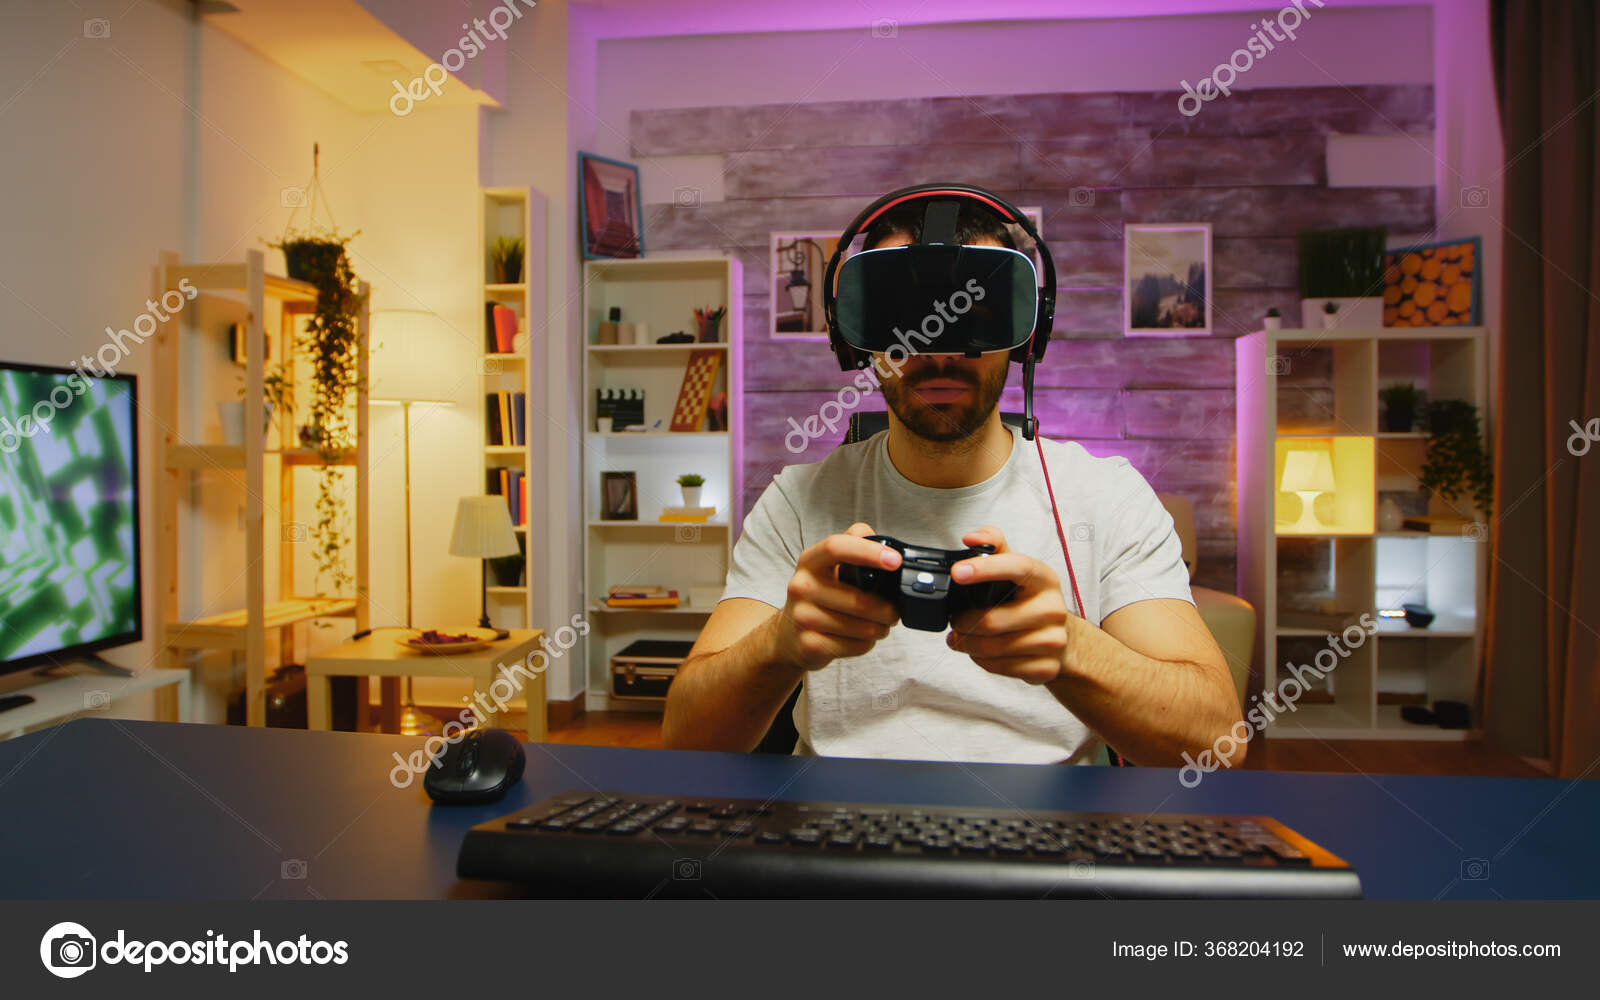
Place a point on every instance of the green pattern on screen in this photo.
(67, 508)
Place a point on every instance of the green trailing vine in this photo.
(330, 343)
(1457, 464)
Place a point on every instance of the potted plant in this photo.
(1400, 403)
(1330, 314)
(1345, 266)
(506, 255)
(690, 484)
(277, 393)
(1273, 320)
(1456, 463)
(329, 343)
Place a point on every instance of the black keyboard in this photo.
(587, 844)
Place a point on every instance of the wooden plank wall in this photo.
(1253, 165)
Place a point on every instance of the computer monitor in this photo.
(69, 515)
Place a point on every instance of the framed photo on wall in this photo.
(1433, 284)
(610, 209)
(798, 260)
(619, 496)
(1166, 272)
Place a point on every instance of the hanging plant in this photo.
(1456, 463)
(330, 344)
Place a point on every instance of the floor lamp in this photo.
(407, 379)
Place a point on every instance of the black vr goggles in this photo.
(936, 296)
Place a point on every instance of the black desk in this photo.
(139, 810)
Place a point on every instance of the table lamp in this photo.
(483, 531)
(1308, 473)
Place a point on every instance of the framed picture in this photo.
(798, 260)
(1433, 284)
(619, 496)
(610, 209)
(1165, 270)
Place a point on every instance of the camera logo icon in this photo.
(1474, 869)
(1474, 197)
(686, 197)
(1082, 531)
(686, 533)
(68, 950)
(1477, 531)
(296, 531)
(1277, 365)
(294, 869)
(94, 701)
(1080, 869)
(293, 197)
(885, 701)
(686, 870)
(97, 27)
(885, 27)
(490, 366)
(1081, 197)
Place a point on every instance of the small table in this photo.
(378, 654)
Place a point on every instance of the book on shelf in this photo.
(505, 417)
(667, 600)
(505, 329)
(491, 344)
(692, 515)
(635, 589)
(512, 484)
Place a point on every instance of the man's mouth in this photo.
(941, 390)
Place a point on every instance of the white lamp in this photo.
(405, 372)
(483, 531)
(1308, 473)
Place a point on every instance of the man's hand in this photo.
(1026, 637)
(825, 619)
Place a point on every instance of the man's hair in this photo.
(973, 223)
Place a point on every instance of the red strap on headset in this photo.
(998, 208)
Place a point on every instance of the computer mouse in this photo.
(480, 767)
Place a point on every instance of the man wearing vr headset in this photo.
(1099, 642)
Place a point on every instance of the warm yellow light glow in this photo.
(1339, 469)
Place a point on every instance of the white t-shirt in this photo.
(912, 697)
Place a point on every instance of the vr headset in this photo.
(937, 296)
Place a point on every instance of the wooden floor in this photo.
(637, 729)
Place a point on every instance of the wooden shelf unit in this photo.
(271, 607)
(661, 293)
(1366, 570)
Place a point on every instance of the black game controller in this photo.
(921, 589)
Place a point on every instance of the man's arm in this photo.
(1151, 679)
(750, 656)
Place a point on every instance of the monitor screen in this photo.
(69, 514)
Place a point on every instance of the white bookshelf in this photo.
(518, 212)
(1367, 569)
(661, 293)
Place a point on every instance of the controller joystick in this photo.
(921, 589)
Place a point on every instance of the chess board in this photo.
(694, 396)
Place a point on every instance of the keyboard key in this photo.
(771, 837)
(803, 837)
(704, 828)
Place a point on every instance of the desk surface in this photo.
(100, 808)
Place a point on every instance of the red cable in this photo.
(1072, 577)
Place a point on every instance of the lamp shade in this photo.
(1307, 471)
(412, 362)
(483, 529)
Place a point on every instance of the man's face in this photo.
(942, 397)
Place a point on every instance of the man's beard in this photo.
(945, 421)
